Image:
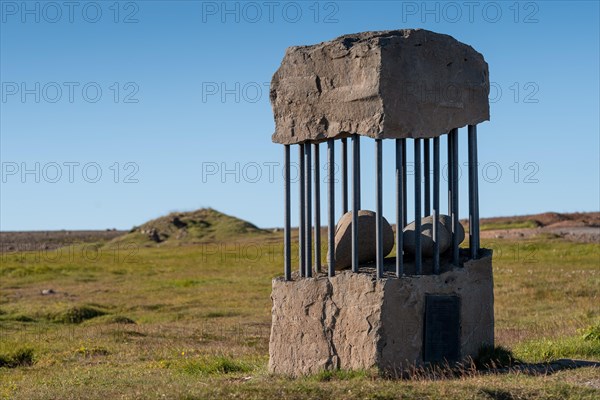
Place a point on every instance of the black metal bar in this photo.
(379, 208)
(344, 176)
(418, 255)
(404, 185)
(399, 210)
(287, 245)
(358, 191)
(301, 222)
(476, 233)
(449, 172)
(317, 190)
(436, 205)
(473, 193)
(455, 220)
(470, 170)
(355, 199)
(308, 215)
(427, 182)
(330, 208)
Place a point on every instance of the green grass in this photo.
(216, 365)
(78, 314)
(20, 358)
(592, 333)
(193, 322)
(584, 345)
(488, 226)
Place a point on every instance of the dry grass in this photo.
(192, 322)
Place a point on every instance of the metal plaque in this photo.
(441, 338)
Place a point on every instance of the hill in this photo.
(202, 225)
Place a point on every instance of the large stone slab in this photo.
(354, 321)
(407, 83)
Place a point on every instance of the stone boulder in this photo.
(445, 235)
(367, 249)
(407, 83)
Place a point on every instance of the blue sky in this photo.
(122, 112)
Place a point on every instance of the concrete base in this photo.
(354, 321)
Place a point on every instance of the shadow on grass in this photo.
(446, 371)
(549, 367)
(490, 360)
(497, 394)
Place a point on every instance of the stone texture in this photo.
(367, 249)
(445, 235)
(354, 321)
(391, 84)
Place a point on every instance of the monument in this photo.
(432, 301)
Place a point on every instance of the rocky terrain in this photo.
(578, 227)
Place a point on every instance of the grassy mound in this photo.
(20, 358)
(76, 315)
(201, 225)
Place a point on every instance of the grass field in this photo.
(508, 225)
(193, 321)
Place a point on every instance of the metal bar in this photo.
(358, 191)
(355, 200)
(344, 176)
(427, 174)
(404, 185)
(308, 194)
(418, 255)
(287, 245)
(399, 210)
(330, 208)
(473, 193)
(436, 205)
(379, 208)
(476, 233)
(301, 210)
(455, 221)
(449, 172)
(470, 170)
(317, 200)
